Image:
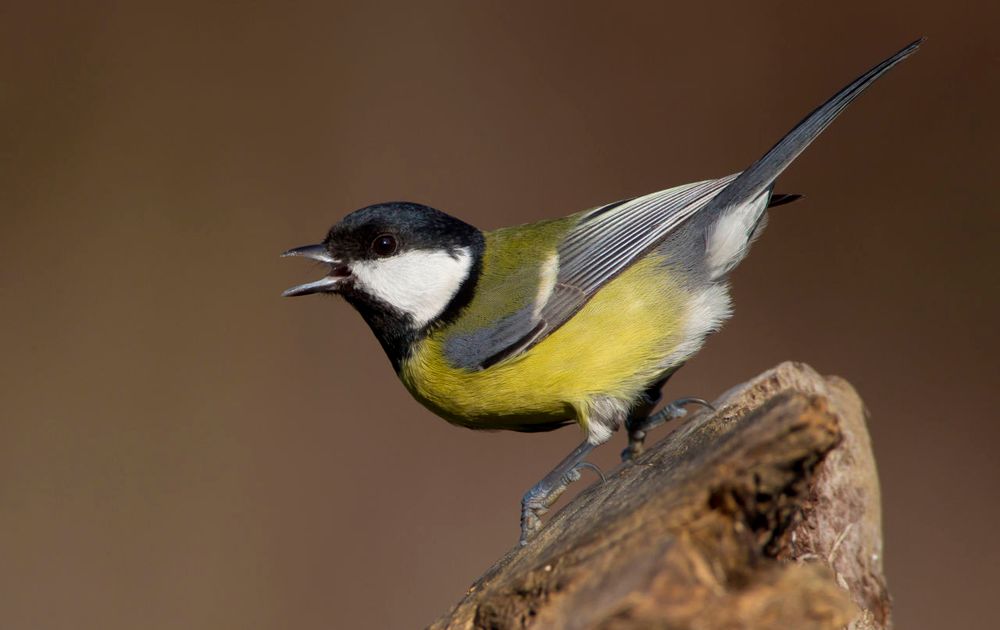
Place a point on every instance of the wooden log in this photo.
(763, 514)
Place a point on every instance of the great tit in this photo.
(578, 319)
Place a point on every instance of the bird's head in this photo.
(402, 265)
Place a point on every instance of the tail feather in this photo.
(738, 208)
(779, 199)
(764, 171)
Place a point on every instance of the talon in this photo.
(693, 401)
(593, 467)
(542, 495)
(531, 519)
(639, 426)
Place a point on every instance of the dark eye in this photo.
(384, 245)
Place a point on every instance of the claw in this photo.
(639, 427)
(531, 520)
(540, 498)
(693, 401)
(595, 468)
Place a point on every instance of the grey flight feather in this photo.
(608, 240)
(601, 245)
(481, 348)
(764, 171)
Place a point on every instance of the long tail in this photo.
(764, 171)
(744, 198)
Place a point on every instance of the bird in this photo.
(579, 319)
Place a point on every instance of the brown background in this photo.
(180, 448)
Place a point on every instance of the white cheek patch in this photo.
(420, 283)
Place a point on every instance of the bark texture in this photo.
(764, 514)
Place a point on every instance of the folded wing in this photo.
(607, 240)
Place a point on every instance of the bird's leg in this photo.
(540, 498)
(642, 419)
(638, 426)
(636, 433)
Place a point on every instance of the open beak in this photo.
(328, 284)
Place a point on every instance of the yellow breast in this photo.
(614, 346)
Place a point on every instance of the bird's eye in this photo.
(384, 245)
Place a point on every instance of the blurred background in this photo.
(181, 448)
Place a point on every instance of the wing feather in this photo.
(603, 243)
(607, 240)
(596, 251)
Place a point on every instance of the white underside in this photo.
(728, 240)
(706, 313)
(420, 283)
(604, 416)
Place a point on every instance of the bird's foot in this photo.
(637, 430)
(543, 494)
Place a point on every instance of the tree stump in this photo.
(763, 514)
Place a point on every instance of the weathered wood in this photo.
(764, 514)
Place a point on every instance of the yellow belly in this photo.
(615, 346)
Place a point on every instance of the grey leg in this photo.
(638, 426)
(540, 498)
